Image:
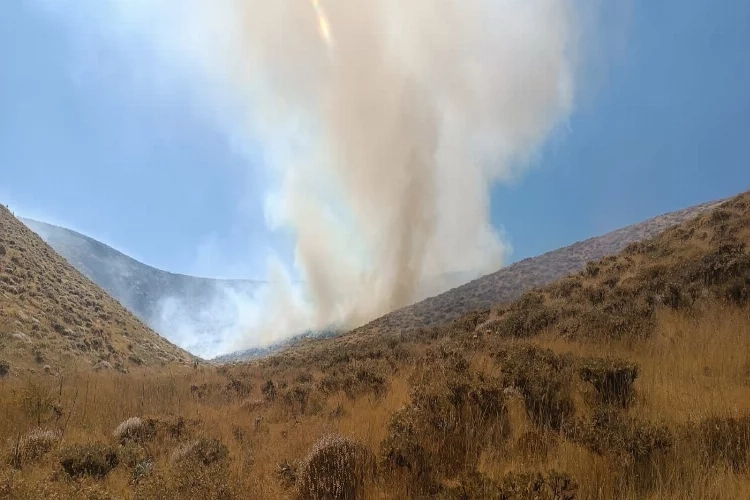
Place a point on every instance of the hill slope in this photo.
(50, 314)
(628, 380)
(196, 313)
(511, 282)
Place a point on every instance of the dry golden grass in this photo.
(534, 399)
(694, 367)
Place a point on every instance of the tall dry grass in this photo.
(694, 367)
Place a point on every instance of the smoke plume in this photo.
(384, 123)
(407, 112)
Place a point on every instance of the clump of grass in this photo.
(96, 460)
(336, 467)
(203, 450)
(552, 485)
(726, 440)
(134, 429)
(34, 445)
(613, 379)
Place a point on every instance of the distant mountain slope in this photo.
(508, 283)
(194, 312)
(511, 282)
(50, 314)
(200, 314)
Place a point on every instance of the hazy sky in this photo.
(89, 140)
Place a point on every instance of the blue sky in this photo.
(663, 123)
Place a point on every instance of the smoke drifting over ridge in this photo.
(384, 124)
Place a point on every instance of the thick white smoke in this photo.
(385, 123)
(409, 111)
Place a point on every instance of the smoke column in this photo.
(384, 124)
(410, 111)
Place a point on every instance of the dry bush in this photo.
(96, 460)
(524, 318)
(613, 379)
(336, 467)
(38, 402)
(204, 450)
(199, 469)
(134, 429)
(551, 485)
(725, 440)
(34, 445)
(544, 379)
(4, 368)
(445, 428)
(636, 446)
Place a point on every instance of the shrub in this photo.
(131, 454)
(552, 485)
(445, 428)
(612, 379)
(632, 443)
(204, 451)
(727, 440)
(199, 469)
(287, 474)
(543, 378)
(95, 460)
(34, 445)
(37, 402)
(336, 467)
(134, 429)
(592, 269)
(525, 318)
(4, 368)
(269, 390)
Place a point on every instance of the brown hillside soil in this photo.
(628, 380)
(53, 318)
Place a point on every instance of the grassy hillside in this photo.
(53, 318)
(171, 304)
(630, 379)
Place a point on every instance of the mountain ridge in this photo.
(53, 317)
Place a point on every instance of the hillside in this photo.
(628, 380)
(195, 312)
(52, 317)
(511, 282)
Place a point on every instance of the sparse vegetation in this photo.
(632, 381)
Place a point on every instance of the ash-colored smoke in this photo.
(407, 111)
(384, 124)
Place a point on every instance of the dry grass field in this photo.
(628, 380)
